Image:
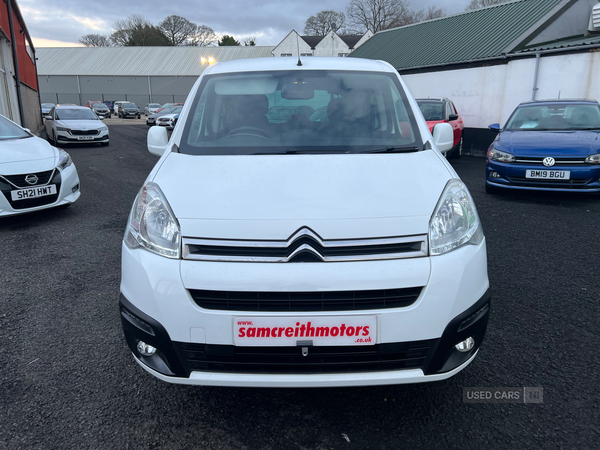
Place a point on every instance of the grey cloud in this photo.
(273, 18)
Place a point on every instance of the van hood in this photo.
(271, 196)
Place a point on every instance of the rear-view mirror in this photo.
(443, 136)
(48, 117)
(157, 140)
(297, 90)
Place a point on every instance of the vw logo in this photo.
(549, 161)
(31, 179)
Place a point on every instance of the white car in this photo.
(343, 252)
(33, 174)
(75, 124)
(168, 120)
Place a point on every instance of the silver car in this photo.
(151, 108)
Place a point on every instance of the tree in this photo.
(433, 12)
(203, 37)
(477, 4)
(147, 36)
(323, 22)
(249, 41)
(178, 29)
(227, 40)
(94, 40)
(377, 15)
(137, 31)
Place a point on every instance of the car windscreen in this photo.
(100, 106)
(128, 105)
(75, 114)
(555, 117)
(9, 130)
(153, 105)
(165, 111)
(274, 112)
(432, 110)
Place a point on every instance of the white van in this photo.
(267, 249)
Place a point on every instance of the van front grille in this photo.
(306, 301)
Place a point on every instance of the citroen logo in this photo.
(549, 161)
(307, 239)
(31, 179)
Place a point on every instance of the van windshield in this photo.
(299, 111)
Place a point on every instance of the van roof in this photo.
(291, 63)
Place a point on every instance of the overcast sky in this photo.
(61, 23)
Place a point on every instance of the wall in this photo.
(26, 64)
(290, 44)
(331, 45)
(33, 111)
(67, 89)
(486, 95)
(9, 105)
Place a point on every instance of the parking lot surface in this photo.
(69, 381)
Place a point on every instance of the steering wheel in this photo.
(251, 131)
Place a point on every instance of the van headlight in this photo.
(152, 224)
(454, 222)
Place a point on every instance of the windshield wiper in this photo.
(303, 152)
(393, 150)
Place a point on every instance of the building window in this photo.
(343, 54)
(286, 54)
(306, 54)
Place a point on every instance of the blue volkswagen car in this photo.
(551, 145)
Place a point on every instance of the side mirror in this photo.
(157, 140)
(495, 127)
(443, 136)
(452, 117)
(48, 117)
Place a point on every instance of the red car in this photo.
(89, 103)
(443, 110)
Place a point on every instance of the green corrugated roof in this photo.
(473, 35)
(575, 41)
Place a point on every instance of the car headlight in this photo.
(103, 128)
(64, 159)
(593, 159)
(63, 129)
(152, 224)
(500, 156)
(454, 221)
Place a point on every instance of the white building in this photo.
(332, 44)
